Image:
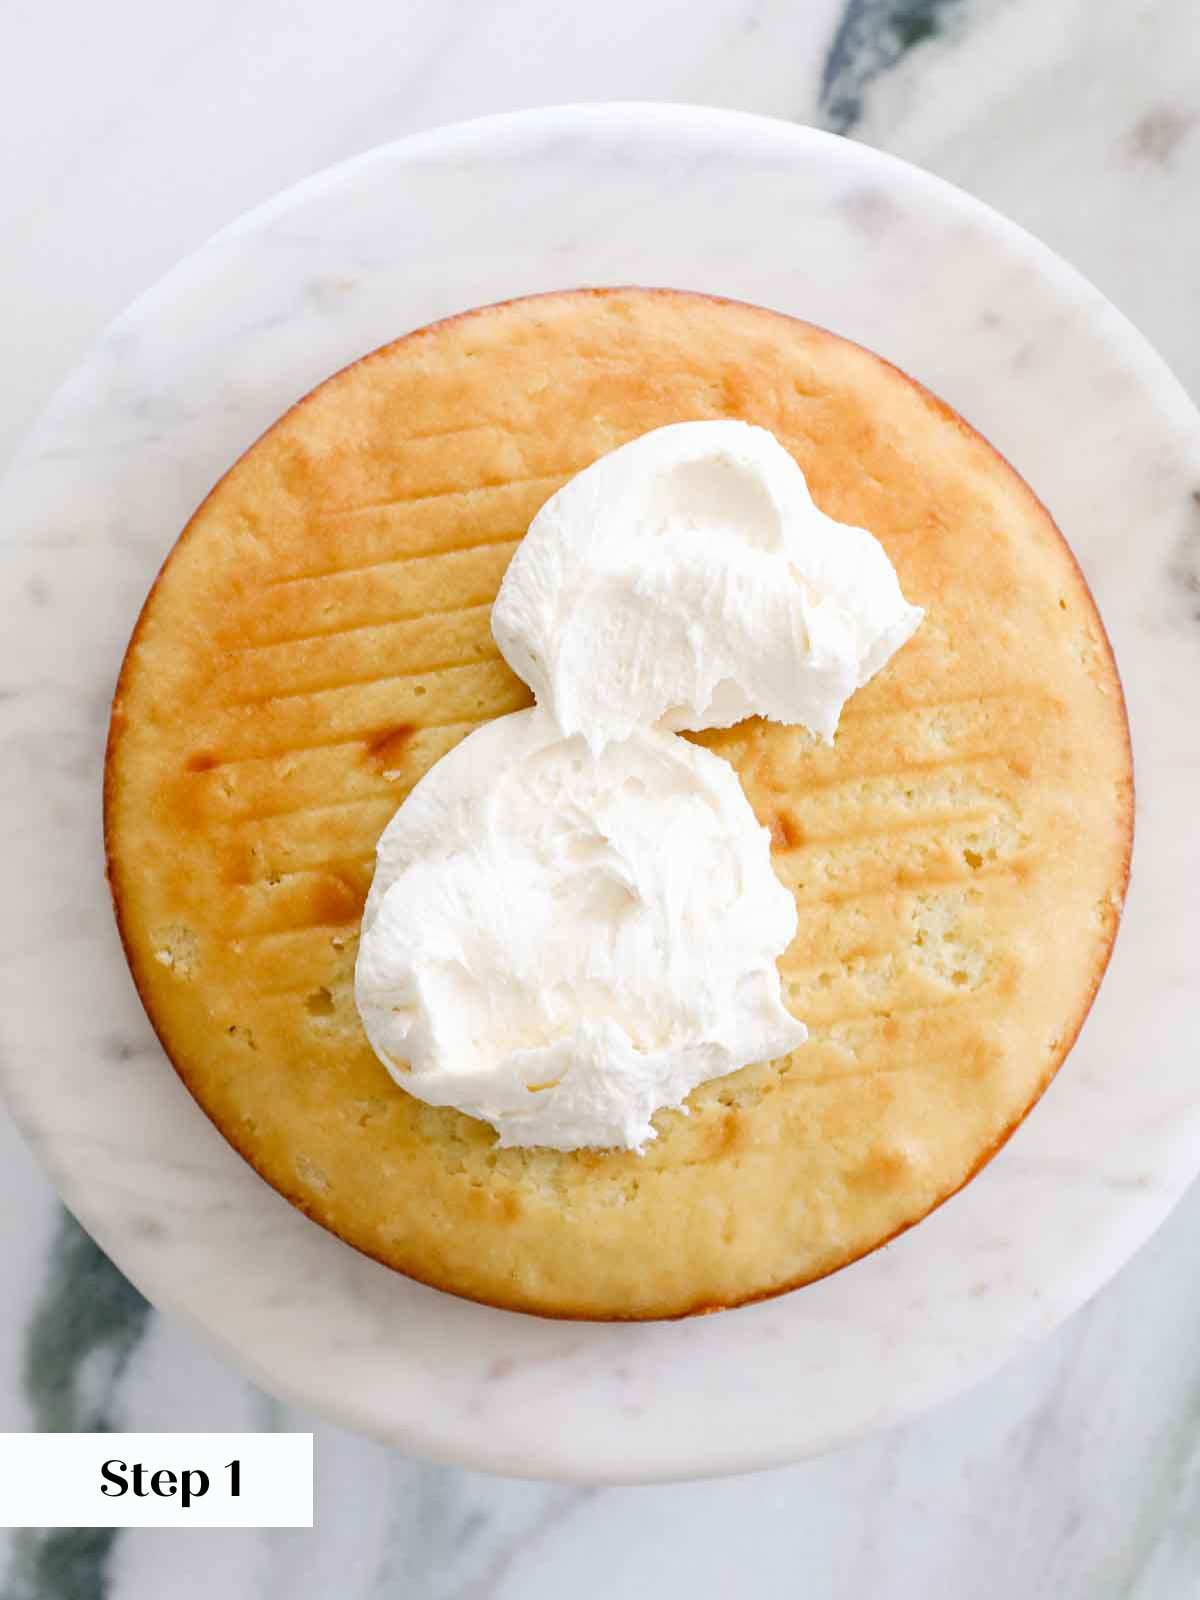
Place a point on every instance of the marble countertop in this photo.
(1076, 1472)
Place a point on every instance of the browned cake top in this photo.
(320, 636)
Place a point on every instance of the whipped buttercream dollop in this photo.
(563, 943)
(688, 579)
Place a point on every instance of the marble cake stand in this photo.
(177, 388)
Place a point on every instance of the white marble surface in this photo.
(1007, 1481)
(174, 390)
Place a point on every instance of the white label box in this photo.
(156, 1480)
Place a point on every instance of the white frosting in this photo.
(563, 943)
(688, 578)
(574, 919)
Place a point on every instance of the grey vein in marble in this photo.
(1184, 569)
(84, 1327)
(871, 38)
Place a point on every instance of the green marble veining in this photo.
(871, 38)
(86, 1323)
(60, 1564)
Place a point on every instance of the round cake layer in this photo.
(320, 636)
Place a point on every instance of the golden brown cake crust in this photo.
(319, 636)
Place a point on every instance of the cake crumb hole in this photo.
(319, 1003)
(176, 948)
